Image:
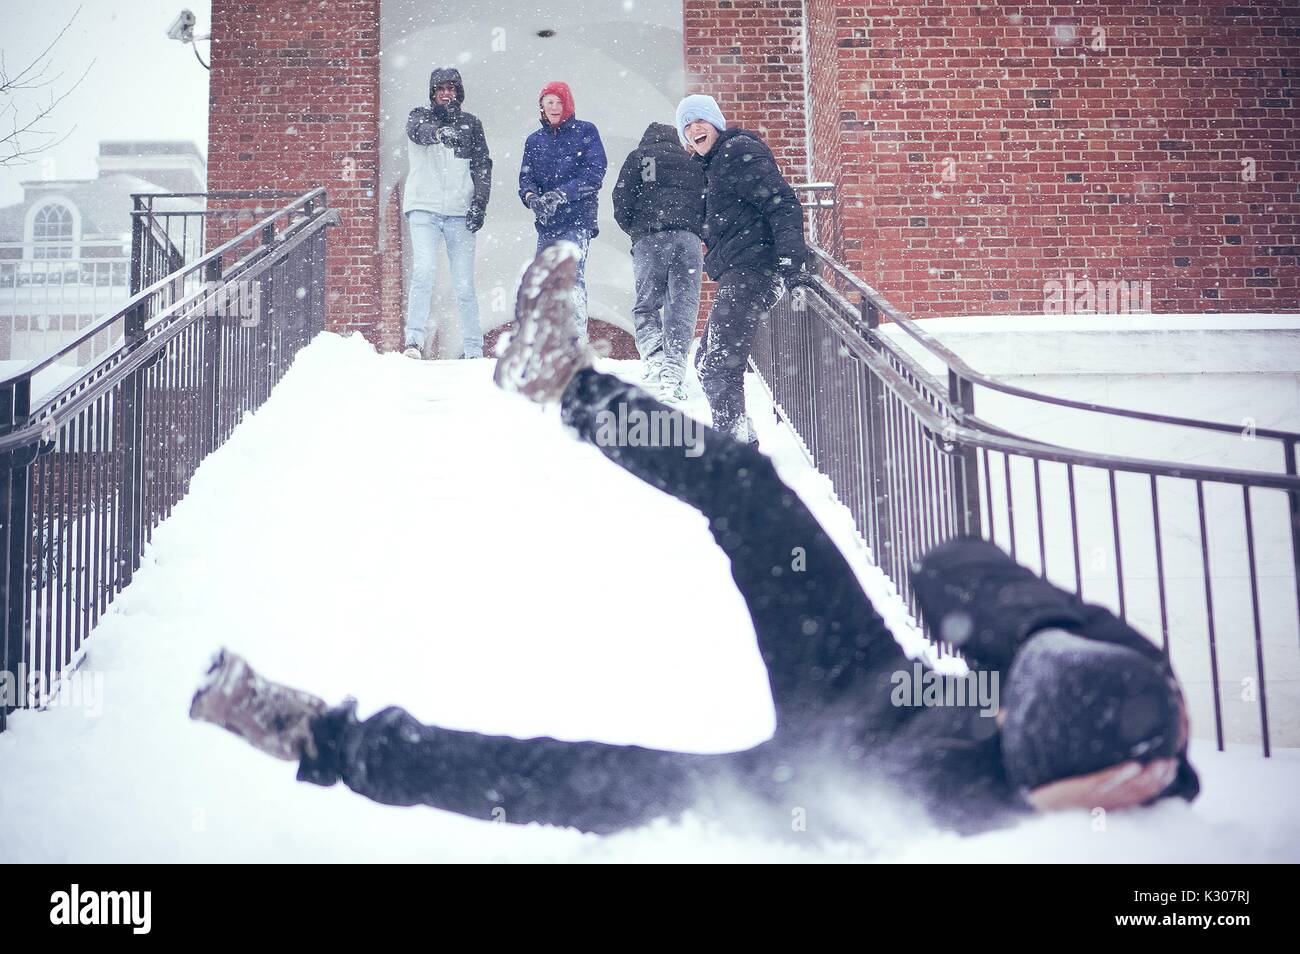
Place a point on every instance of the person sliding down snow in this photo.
(753, 227)
(1090, 716)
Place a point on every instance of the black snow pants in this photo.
(743, 297)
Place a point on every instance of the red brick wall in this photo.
(979, 151)
(294, 104)
(1105, 139)
(392, 281)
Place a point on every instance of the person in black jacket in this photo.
(445, 195)
(753, 227)
(1089, 715)
(659, 203)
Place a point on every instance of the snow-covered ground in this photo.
(405, 533)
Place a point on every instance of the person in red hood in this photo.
(560, 178)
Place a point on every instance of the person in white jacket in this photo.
(446, 194)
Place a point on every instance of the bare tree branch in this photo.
(16, 147)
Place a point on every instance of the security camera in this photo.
(182, 27)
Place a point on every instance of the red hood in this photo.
(566, 97)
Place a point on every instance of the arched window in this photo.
(52, 232)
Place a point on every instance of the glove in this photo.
(538, 207)
(449, 135)
(553, 200)
(794, 272)
(421, 127)
(474, 219)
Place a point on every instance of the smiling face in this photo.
(553, 107)
(700, 136)
(444, 93)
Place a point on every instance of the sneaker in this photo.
(544, 351)
(413, 351)
(671, 386)
(271, 717)
(743, 431)
(650, 374)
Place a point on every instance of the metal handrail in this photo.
(1003, 441)
(907, 456)
(89, 473)
(963, 370)
(302, 200)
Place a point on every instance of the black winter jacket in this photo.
(424, 123)
(752, 217)
(659, 187)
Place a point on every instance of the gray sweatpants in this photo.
(668, 267)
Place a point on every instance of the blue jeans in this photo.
(460, 242)
(668, 268)
(582, 239)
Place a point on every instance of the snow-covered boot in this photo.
(671, 386)
(271, 717)
(651, 372)
(413, 351)
(743, 431)
(545, 351)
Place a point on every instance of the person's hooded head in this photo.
(555, 103)
(445, 85)
(1074, 706)
(699, 122)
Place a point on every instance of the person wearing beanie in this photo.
(659, 203)
(753, 228)
(1065, 707)
(560, 177)
(445, 196)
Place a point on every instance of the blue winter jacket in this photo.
(571, 158)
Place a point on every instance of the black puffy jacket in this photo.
(422, 127)
(752, 218)
(659, 187)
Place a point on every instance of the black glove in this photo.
(553, 200)
(794, 271)
(449, 135)
(474, 219)
(422, 126)
(538, 207)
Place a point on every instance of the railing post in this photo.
(15, 539)
(965, 485)
(212, 345)
(137, 245)
(131, 534)
(876, 486)
(1293, 498)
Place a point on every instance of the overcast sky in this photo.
(141, 86)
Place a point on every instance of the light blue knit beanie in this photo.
(698, 106)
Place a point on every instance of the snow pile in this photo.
(403, 532)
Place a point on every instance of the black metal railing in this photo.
(93, 458)
(1202, 558)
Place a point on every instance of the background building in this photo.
(65, 249)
